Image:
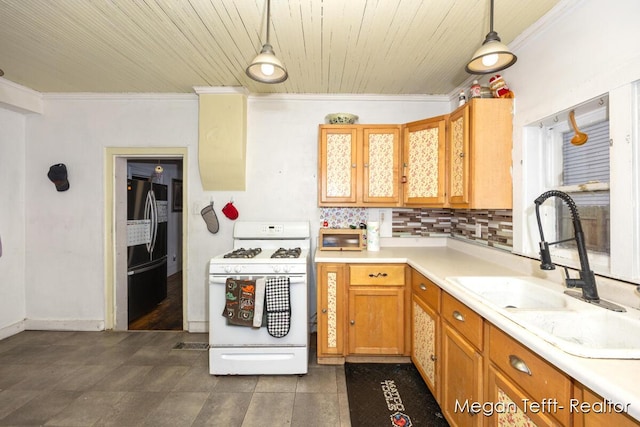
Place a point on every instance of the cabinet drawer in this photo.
(426, 290)
(377, 274)
(534, 375)
(463, 319)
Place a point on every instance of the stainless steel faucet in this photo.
(586, 280)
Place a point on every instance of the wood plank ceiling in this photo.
(328, 46)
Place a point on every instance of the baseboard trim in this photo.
(63, 325)
(10, 330)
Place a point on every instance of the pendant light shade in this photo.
(492, 56)
(266, 67)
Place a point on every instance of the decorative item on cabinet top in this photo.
(341, 118)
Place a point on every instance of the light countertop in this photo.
(615, 379)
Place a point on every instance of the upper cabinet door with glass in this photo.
(424, 173)
(359, 165)
(480, 143)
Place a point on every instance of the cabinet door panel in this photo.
(376, 320)
(461, 378)
(424, 346)
(381, 166)
(424, 162)
(459, 156)
(331, 282)
(338, 165)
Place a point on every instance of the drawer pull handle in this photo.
(458, 316)
(378, 275)
(423, 286)
(519, 365)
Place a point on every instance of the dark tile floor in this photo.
(137, 379)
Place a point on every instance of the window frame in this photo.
(539, 136)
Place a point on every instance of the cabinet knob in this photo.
(353, 165)
(353, 322)
(423, 286)
(366, 165)
(433, 357)
(458, 316)
(519, 365)
(324, 310)
(461, 154)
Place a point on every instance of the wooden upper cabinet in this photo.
(424, 172)
(338, 165)
(381, 165)
(359, 165)
(480, 143)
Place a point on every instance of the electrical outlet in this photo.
(478, 230)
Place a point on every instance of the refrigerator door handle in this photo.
(154, 220)
(147, 216)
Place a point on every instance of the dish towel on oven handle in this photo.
(239, 301)
(278, 306)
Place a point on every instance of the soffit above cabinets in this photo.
(328, 46)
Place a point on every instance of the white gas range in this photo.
(272, 252)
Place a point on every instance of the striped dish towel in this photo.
(278, 306)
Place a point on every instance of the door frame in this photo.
(115, 257)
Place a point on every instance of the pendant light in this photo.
(492, 56)
(265, 67)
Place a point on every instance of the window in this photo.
(586, 167)
(602, 176)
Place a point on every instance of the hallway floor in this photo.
(137, 379)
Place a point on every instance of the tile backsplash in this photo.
(489, 227)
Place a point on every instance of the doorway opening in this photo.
(164, 169)
(154, 264)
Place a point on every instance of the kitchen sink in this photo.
(596, 333)
(542, 308)
(514, 292)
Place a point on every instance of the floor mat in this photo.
(390, 394)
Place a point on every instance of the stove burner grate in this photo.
(243, 253)
(287, 253)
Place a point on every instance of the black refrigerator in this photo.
(147, 212)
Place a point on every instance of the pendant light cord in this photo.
(269, 17)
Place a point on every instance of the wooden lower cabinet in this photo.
(363, 310)
(425, 330)
(376, 320)
(331, 293)
(592, 410)
(541, 392)
(461, 379)
(377, 309)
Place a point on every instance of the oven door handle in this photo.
(221, 280)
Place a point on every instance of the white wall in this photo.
(12, 222)
(65, 231)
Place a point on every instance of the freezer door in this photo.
(146, 288)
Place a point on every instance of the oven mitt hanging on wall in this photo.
(278, 306)
(210, 218)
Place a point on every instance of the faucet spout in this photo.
(586, 280)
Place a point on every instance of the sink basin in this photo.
(595, 333)
(514, 292)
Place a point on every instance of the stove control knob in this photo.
(276, 269)
(286, 268)
(227, 269)
(238, 268)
